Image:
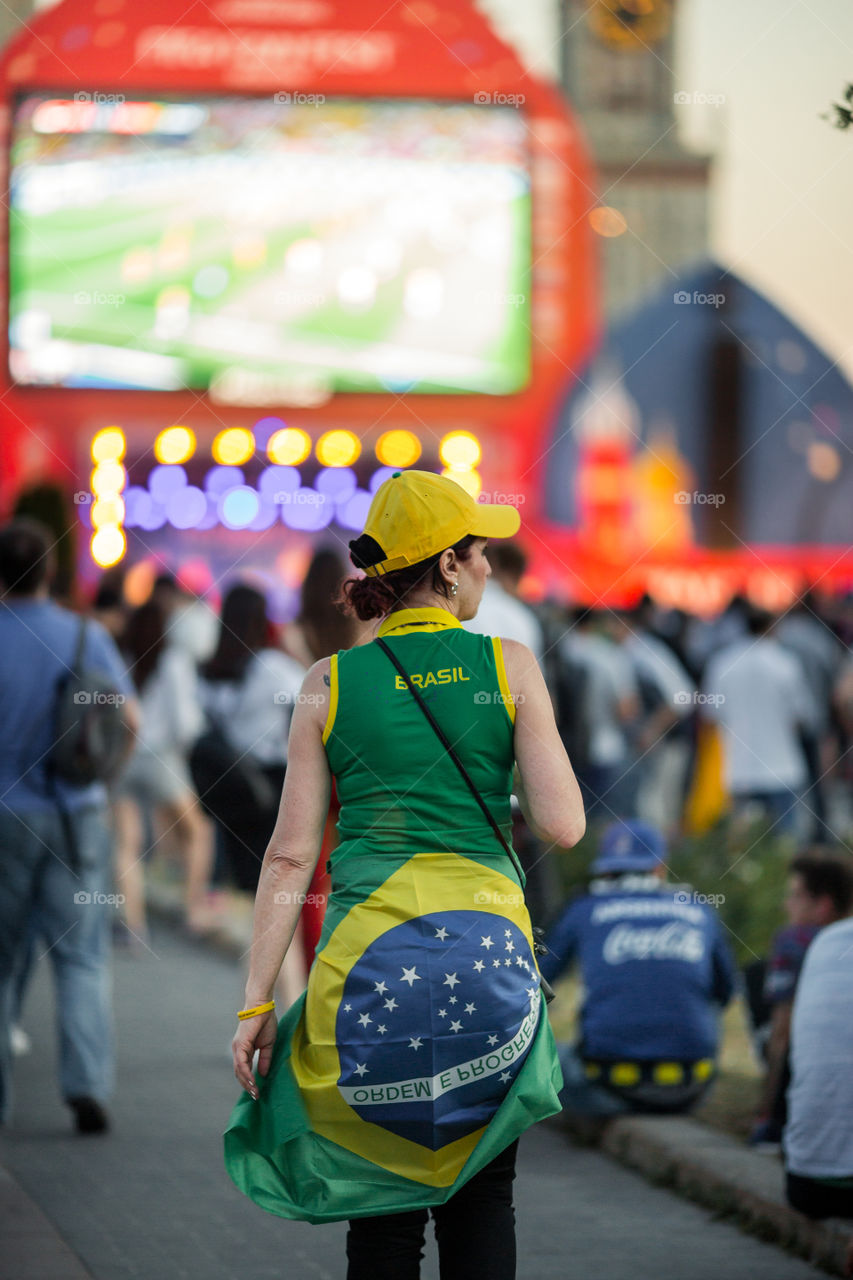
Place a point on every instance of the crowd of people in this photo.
(643, 698)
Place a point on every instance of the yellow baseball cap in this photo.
(416, 514)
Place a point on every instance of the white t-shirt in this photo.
(255, 712)
(169, 704)
(500, 614)
(764, 699)
(819, 1134)
(609, 678)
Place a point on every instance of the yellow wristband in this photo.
(255, 1010)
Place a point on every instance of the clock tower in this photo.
(618, 60)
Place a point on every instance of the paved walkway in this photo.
(151, 1200)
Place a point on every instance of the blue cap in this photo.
(629, 846)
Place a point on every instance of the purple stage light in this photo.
(219, 479)
(275, 480)
(307, 509)
(337, 482)
(264, 428)
(164, 481)
(379, 477)
(186, 508)
(353, 513)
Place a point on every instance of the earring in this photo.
(453, 589)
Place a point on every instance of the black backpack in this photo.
(89, 728)
(231, 785)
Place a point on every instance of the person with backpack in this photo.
(67, 718)
(248, 688)
(157, 780)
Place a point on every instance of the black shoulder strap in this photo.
(453, 756)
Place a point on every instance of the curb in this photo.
(720, 1173)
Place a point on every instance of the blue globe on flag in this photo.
(435, 1020)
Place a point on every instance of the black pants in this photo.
(475, 1232)
(819, 1199)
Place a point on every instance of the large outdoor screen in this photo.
(266, 248)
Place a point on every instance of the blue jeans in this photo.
(69, 914)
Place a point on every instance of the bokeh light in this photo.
(108, 545)
(379, 477)
(460, 450)
(107, 511)
(289, 446)
(607, 221)
(218, 479)
(175, 444)
(238, 507)
(186, 507)
(337, 482)
(278, 480)
(164, 481)
(398, 448)
(338, 448)
(307, 509)
(108, 479)
(108, 445)
(233, 446)
(353, 513)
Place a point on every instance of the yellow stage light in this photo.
(471, 481)
(108, 479)
(288, 447)
(108, 445)
(107, 511)
(460, 450)
(108, 546)
(398, 448)
(233, 447)
(338, 448)
(173, 445)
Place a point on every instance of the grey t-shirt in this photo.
(819, 1134)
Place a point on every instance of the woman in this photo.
(421, 1051)
(157, 777)
(248, 689)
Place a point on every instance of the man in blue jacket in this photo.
(655, 970)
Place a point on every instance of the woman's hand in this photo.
(253, 1034)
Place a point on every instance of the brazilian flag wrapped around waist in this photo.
(420, 1050)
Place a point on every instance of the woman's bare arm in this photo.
(550, 795)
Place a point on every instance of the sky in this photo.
(782, 186)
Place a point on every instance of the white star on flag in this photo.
(479, 966)
(496, 964)
(361, 1069)
(456, 1026)
(453, 1000)
(364, 1018)
(390, 1004)
(450, 980)
(493, 1040)
(380, 988)
(507, 933)
(504, 1077)
(470, 1008)
(487, 942)
(410, 976)
(509, 946)
(442, 1013)
(347, 1008)
(507, 962)
(441, 933)
(381, 1029)
(415, 1042)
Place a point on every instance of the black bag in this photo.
(231, 785)
(538, 944)
(89, 728)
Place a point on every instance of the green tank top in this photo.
(399, 791)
